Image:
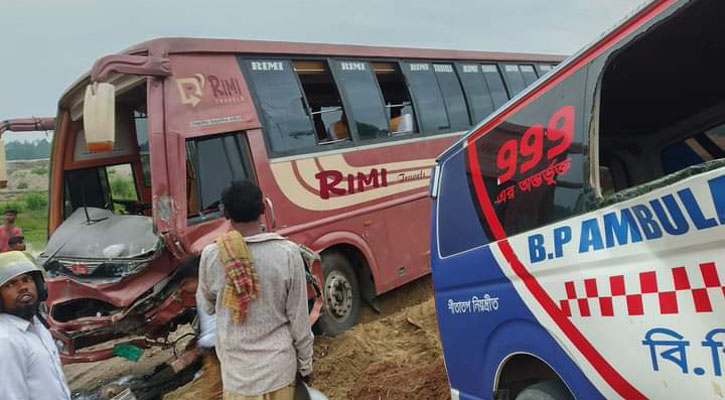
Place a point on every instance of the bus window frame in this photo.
(355, 140)
(458, 67)
(252, 88)
(346, 107)
(501, 65)
(457, 75)
(415, 97)
(402, 135)
(183, 139)
(335, 144)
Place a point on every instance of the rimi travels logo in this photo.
(224, 90)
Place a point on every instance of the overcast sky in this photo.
(46, 45)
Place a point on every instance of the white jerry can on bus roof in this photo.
(99, 117)
(3, 166)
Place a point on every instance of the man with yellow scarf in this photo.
(255, 284)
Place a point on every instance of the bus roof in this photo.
(181, 45)
(176, 45)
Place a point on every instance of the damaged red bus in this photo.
(340, 139)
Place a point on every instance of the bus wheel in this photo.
(545, 390)
(341, 295)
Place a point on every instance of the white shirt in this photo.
(30, 366)
(207, 323)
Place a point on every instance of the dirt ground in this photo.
(21, 178)
(393, 355)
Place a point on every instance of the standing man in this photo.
(255, 284)
(30, 366)
(9, 229)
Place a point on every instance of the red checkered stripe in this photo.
(648, 286)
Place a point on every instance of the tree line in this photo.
(27, 150)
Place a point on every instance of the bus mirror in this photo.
(3, 167)
(99, 116)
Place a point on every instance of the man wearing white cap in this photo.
(30, 367)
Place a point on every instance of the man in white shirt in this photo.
(30, 367)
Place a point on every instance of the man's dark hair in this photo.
(242, 201)
(15, 240)
(10, 211)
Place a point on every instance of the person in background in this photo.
(17, 243)
(30, 367)
(255, 285)
(9, 229)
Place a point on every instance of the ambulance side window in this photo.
(663, 124)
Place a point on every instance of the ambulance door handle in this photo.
(270, 213)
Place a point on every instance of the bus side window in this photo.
(323, 100)
(545, 69)
(279, 99)
(212, 162)
(428, 97)
(528, 73)
(514, 79)
(398, 103)
(477, 92)
(453, 96)
(495, 84)
(357, 84)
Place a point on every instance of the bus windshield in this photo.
(114, 180)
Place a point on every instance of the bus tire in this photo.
(341, 295)
(545, 390)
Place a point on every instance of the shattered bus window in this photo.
(213, 162)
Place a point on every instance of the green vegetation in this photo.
(122, 188)
(27, 150)
(36, 201)
(40, 170)
(32, 217)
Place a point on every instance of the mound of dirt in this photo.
(396, 357)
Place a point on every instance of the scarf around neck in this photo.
(241, 283)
